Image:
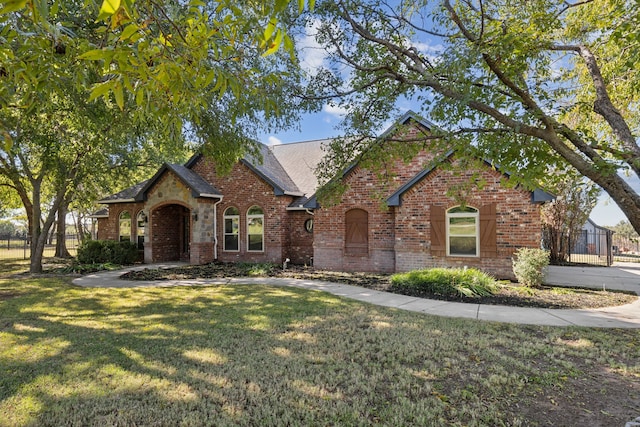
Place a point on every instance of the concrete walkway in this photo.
(623, 277)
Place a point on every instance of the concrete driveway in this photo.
(621, 276)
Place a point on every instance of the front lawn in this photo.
(257, 355)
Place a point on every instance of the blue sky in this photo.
(324, 124)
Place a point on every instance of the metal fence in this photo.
(585, 247)
(16, 247)
(626, 249)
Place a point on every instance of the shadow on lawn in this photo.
(256, 355)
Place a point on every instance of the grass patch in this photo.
(466, 282)
(256, 269)
(256, 355)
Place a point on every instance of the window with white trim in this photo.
(141, 221)
(463, 231)
(124, 226)
(231, 230)
(255, 229)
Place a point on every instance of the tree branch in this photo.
(603, 105)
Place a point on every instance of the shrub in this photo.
(256, 269)
(529, 266)
(468, 282)
(107, 251)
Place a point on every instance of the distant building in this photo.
(593, 240)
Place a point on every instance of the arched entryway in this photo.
(170, 233)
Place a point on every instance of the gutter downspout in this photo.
(215, 229)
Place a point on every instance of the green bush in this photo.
(256, 269)
(468, 282)
(529, 266)
(107, 251)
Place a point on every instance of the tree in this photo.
(82, 99)
(625, 230)
(527, 84)
(212, 69)
(7, 228)
(563, 218)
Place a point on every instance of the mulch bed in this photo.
(510, 294)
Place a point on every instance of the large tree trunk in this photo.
(61, 232)
(40, 230)
(38, 239)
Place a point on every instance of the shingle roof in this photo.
(299, 160)
(126, 195)
(537, 195)
(198, 186)
(270, 169)
(100, 213)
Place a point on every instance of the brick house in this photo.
(266, 211)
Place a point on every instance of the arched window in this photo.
(231, 229)
(356, 237)
(463, 231)
(124, 226)
(255, 229)
(141, 222)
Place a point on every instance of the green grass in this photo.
(257, 355)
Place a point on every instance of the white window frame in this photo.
(120, 221)
(231, 217)
(251, 217)
(452, 213)
(141, 218)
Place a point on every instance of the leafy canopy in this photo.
(527, 84)
(213, 72)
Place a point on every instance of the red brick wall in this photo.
(329, 230)
(167, 230)
(517, 220)
(367, 191)
(399, 238)
(242, 188)
(108, 228)
(299, 241)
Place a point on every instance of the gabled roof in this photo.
(312, 201)
(137, 193)
(272, 172)
(596, 226)
(403, 120)
(288, 168)
(537, 195)
(198, 186)
(300, 160)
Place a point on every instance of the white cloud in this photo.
(430, 51)
(272, 140)
(334, 110)
(312, 54)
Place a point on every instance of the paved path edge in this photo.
(624, 316)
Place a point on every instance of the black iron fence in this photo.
(19, 247)
(626, 249)
(584, 247)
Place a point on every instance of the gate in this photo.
(584, 247)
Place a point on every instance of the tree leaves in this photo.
(526, 84)
(108, 8)
(9, 6)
